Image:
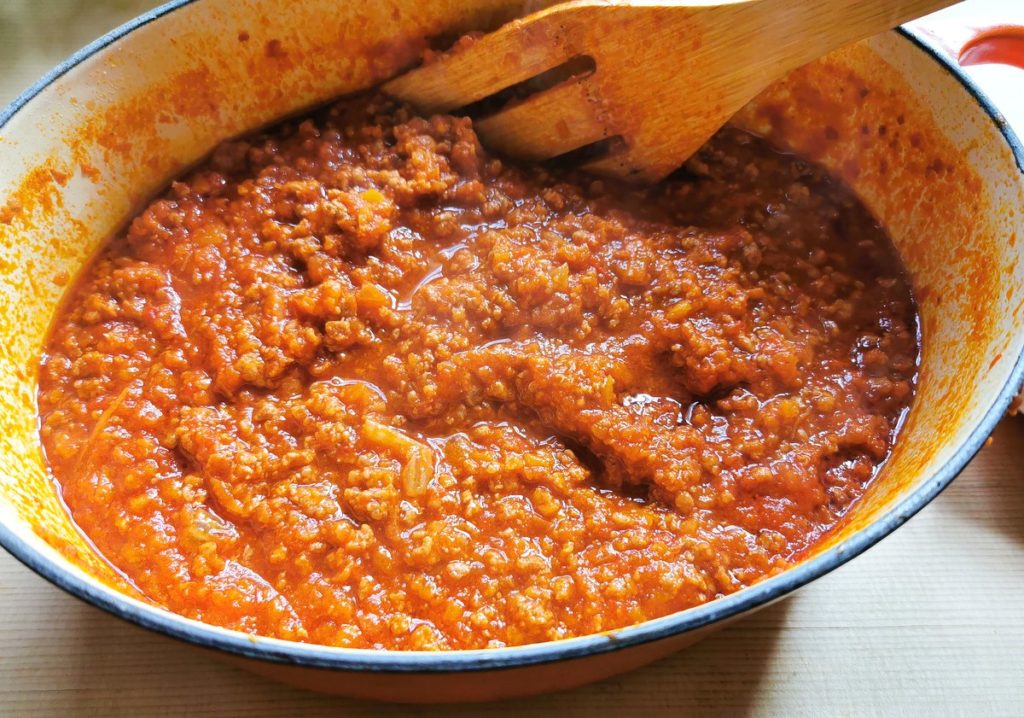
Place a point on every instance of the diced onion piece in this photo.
(417, 457)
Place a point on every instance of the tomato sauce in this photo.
(354, 381)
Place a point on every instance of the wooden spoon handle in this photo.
(804, 31)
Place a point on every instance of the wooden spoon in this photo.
(662, 76)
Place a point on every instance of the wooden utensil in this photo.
(664, 76)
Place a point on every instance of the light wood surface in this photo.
(929, 622)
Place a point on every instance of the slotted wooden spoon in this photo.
(665, 76)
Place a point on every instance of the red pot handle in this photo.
(1003, 44)
(976, 42)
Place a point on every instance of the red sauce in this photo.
(355, 382)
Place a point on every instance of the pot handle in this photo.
(969, 37)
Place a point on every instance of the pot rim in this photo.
(377, 661)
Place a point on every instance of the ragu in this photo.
(354, 381)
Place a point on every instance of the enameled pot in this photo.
(82, 149)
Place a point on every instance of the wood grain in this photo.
(930, 622)
(668, 75)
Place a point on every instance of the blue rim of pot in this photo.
(369, 660)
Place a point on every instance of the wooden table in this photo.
(930, 622)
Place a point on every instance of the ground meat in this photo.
(356, 382)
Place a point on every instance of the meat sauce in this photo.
(354, 381)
